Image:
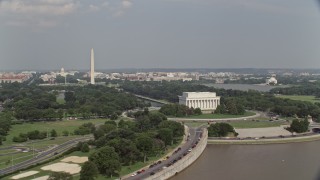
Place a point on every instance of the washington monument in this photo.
(92, 67)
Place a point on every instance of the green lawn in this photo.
(255, 124)
(5, 161)
(61, 101)
(312, 99)
(219, 116)
(59, 126)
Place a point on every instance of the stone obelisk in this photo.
(92, 67)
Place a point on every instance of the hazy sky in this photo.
(50, 34)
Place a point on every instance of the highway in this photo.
(44, 156)
(195, 134)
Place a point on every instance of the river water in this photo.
(295, 161)
(245, 87)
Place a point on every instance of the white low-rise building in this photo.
(206, 101)
(272, 81)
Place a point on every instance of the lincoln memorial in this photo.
(206, 101)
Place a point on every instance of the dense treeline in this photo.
(128, 142)
(221, 130)
(35, 103)
(5, 125)
(304, 89)
(32, 135)
(251, 100)
(179, 110)
(230, 106)
(90, 101)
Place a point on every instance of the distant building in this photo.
(272, 81)
(11, 77)
(206, 101)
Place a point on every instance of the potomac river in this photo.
(292, 161)
(245, 87)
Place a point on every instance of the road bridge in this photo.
(151, 99)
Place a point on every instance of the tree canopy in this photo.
(220, 130)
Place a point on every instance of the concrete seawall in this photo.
(184, 162)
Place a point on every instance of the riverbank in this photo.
(307, 138)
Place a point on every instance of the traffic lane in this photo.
(194, 135)
(177, 156)
(159, 167)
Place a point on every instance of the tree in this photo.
(85, 147)
(317, 119)
(126, 149)
(114, 116)
(69, 97)
(220, 130)
(53, 133)
(89, 171)
(166, 135)
(197, 111)
(65, 133)
(232, 107)
(145, 144)
(5, 123)
(156, 118)
(220, 109)
(176, 127)
(60, 176)
(299, 126)
(106, 160)
(104, 129)
(143, 123)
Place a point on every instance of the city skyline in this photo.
(164, 34)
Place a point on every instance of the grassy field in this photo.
(61, 101)
(219, 116)
(44, 173)
(255, 124)
(312, 99)
(59, 126)
(5, 161)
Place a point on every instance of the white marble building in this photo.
(206, 101)
(272, 80)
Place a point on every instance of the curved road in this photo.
(224, 119)
(44, 155)
(195, 134)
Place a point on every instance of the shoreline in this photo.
(301, 139)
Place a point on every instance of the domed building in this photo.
(272, 80)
